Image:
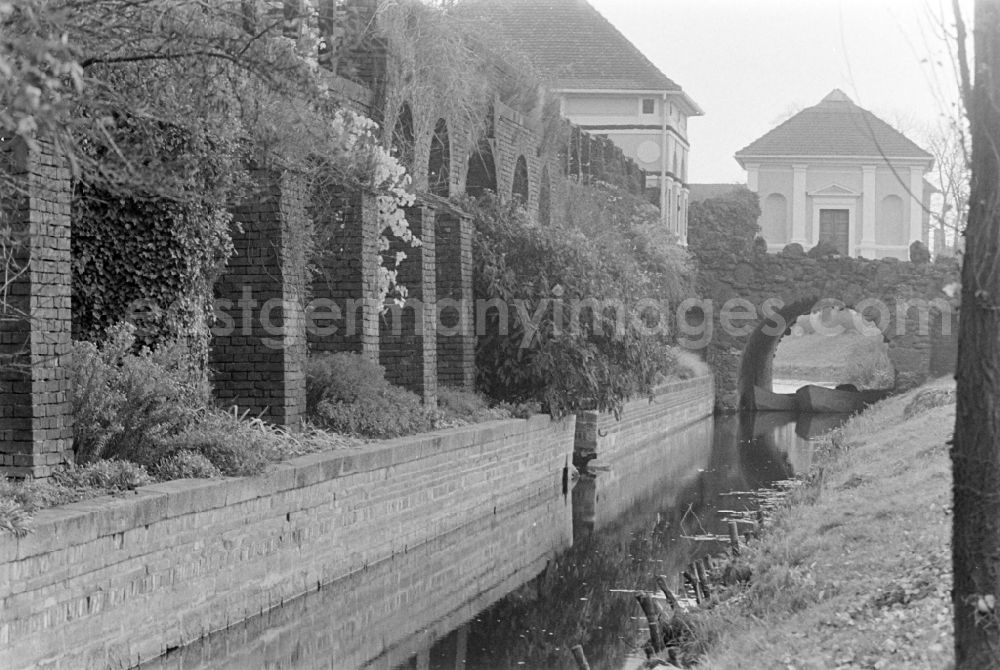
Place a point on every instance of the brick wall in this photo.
(382, 616)
(36, 422)
(456, 337)
(346, 283)
(515, 138)
(668, 439)
(111, 581)
(258, 360)
(408, 334)
(674, 404)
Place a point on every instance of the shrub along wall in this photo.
(111, 582)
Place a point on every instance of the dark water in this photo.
(518, 590)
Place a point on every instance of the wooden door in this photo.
(834, 227)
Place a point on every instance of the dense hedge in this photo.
(611, 248)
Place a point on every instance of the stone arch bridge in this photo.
(751, 298)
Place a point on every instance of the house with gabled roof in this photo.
(835, 172)
(606, 86)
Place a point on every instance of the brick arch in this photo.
(516, 140)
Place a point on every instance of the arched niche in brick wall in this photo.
(403, 141)
(439, 165)
(482, 173)
(520, 188)
(544, 198)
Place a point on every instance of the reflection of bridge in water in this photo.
(509, 591)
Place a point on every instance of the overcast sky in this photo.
(750, 63)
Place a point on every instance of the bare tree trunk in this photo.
(976, 451)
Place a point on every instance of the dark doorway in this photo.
(439, 165)
(482, 174)
(520, 188)
(834, 228)
(402, 137)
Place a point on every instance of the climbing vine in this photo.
(149, 259)
(357, 158)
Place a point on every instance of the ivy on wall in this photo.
(148, 261)
(151, 257)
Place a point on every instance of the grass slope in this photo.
(856, 573)
(848, 358)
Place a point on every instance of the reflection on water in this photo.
(510, 593)
(391, 611)
(583, 598)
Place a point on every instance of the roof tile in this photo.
(834, 127)
(571, 43)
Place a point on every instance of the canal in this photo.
(516, 590)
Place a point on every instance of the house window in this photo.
(649, 105)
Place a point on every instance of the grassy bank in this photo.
(846, 359)
(855, 572)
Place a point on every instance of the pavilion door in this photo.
(834, 227)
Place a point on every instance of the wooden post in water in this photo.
(580, 658)
(703, 578)
(661, 582)
(691, 576)
(734, 538)
(652, 618)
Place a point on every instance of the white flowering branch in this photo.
(386, 177)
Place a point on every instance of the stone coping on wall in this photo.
(114, 580)
(79, 522)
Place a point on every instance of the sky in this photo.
(750, 64)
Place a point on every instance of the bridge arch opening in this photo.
(812, 341)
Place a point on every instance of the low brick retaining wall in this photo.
(665, 438)
(112, 581)
(673, 405)
(381, 617)
(650, 476)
